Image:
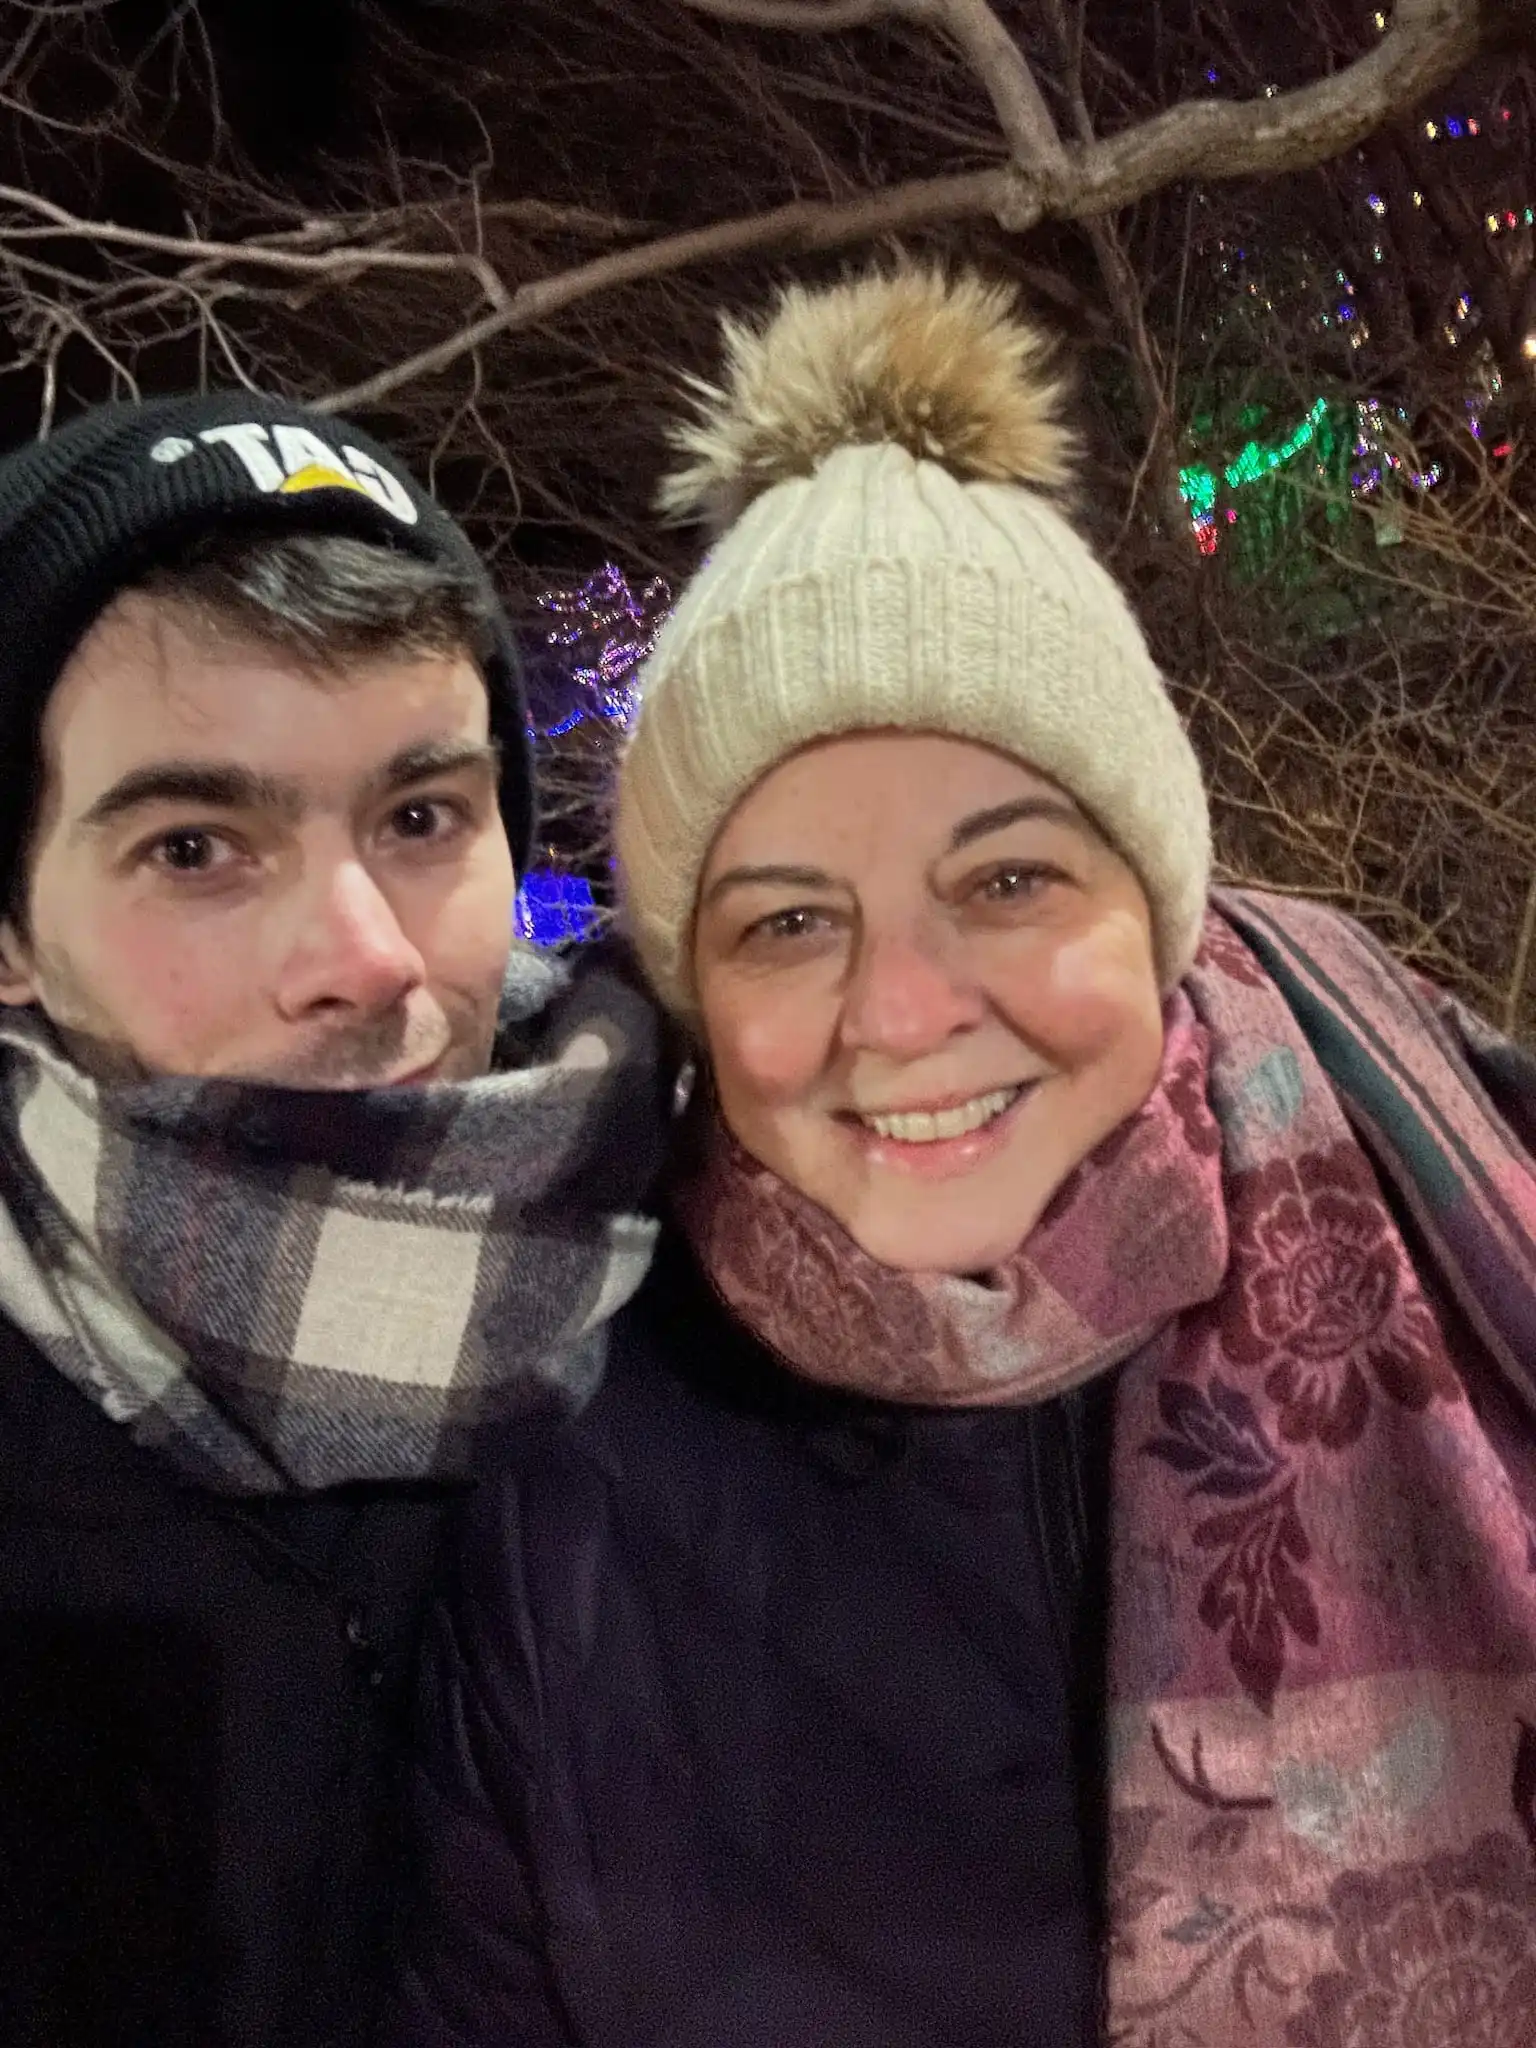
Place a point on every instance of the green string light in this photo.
(1256, 462)
(1198, 486)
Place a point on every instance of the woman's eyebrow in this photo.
(980, 823)
(780, 877)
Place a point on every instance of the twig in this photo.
(1524, 945)
(193, 248)
(809, 17)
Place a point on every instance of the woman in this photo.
(1034, 1201)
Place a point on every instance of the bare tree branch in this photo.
(1428, 39)
(382, 224)
(1002, 67)
(253, 305)
(810, 17)
(805, 225)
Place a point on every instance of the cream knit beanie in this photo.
(879, 467)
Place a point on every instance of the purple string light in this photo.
(622, 623)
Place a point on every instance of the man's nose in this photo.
(350, 952)
(907, 995)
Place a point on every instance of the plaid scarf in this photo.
(1315, 1253)
(278, 1289)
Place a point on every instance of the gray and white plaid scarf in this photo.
(278, 1289)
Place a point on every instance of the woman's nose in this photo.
(907, 996)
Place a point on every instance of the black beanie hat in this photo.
(92, 509)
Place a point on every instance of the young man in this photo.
(300, 1191)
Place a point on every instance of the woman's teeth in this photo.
(927, 1127)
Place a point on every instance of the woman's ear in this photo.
(17, 983)
(694, 1114)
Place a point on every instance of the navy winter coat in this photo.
(204, 1706)
(762, 1717)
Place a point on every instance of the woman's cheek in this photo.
(1097, 986)
(768, 1041)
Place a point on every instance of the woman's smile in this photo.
(940, 1140)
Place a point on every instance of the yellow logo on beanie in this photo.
(319, 476)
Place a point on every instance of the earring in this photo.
(682, 1088)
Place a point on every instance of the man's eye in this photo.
(188, 851)
(425, 818)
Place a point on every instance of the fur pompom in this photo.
(946, 368)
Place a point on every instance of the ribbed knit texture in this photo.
(86, 512)
(883, 592)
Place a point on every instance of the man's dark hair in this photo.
(325, 601)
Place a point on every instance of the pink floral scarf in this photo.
(1322, 1739)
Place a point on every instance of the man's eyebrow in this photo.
(438, 757)
(220, 785)
(1057, 810)
(226, 786)
(772, 877)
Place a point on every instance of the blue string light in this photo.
(555, 909)
(553, 732)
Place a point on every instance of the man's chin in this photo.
(333, 1077)
(327, 1080)
(330, 1070)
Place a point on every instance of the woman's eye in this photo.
(798, 922)
(1008, 883)
(1015, 884)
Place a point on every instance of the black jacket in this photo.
(766, 1717)
(202, 1710)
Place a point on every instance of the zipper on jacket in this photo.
(1077, 1451)
(1058, 1506)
